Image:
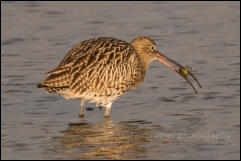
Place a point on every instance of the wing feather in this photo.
(89, 63)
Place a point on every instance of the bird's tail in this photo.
(57, 81)
(52, 89)
(39, 85)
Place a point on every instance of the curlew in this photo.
(102, 69)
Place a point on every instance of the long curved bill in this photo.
(166, 61)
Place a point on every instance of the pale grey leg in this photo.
(81, 114)
(107, 111)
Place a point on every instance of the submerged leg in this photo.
(81, 114)
(107, 111)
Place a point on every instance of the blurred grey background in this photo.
(205, 35)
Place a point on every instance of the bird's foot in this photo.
(107, 117)
(81, 115)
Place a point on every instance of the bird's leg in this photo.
(107, 111)
(81, 114)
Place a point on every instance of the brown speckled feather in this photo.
(103, 66)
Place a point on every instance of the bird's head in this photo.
(148, 52)
(146, 48)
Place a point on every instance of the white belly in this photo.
(90, 97)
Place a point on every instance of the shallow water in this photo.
(162, 119)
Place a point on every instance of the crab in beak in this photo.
(183, 71)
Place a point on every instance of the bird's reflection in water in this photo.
(106, 140)
(137, 139)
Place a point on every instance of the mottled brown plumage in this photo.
(102, 69)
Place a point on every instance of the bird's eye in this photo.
(152, 48)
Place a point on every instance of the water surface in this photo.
(162, 119)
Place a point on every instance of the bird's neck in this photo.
(143, 67)
(144, 61)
